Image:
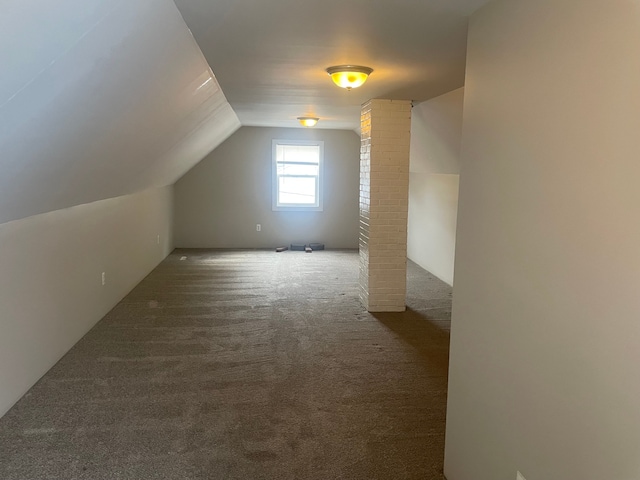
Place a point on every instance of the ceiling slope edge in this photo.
(102, 99)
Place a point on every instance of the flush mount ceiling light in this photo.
(308, 121)
(349, 76)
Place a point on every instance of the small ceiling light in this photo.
(308, 121)
(349, 76)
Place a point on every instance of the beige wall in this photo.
(51, 292)
(545, 341)
(220, 201)
(436, 130)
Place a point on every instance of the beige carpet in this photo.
(244, 365)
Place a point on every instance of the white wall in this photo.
(220, 201)
(545, 341)
(436, 130)
(50, 277)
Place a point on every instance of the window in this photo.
(297, 175)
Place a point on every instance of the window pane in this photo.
(298, 190)
(298, 153)
(295, 169)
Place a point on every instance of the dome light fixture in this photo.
(349, 76)
(308, 121)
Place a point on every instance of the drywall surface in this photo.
(436, 130)
(220, 201)
(98, 99)
(431, 227)
(546, 313)
(51, 290)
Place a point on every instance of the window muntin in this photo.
(297, 175)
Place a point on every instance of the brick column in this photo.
(384, 200)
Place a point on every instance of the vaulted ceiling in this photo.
(102, 98)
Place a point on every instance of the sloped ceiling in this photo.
(100, 98)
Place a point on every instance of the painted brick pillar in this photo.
(384, 201)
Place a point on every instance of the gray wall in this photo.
(545, 341)
(220, 201)
(436, 131)
(51, 291)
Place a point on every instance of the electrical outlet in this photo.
(519, 476)
(104, 278)
(158, 240)
(258, 227)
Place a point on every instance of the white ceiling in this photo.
(269, 56)
(100, 98)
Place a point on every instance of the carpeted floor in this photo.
(244, 365)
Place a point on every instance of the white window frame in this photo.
(275, 205)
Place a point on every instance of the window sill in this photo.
(296, 209)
